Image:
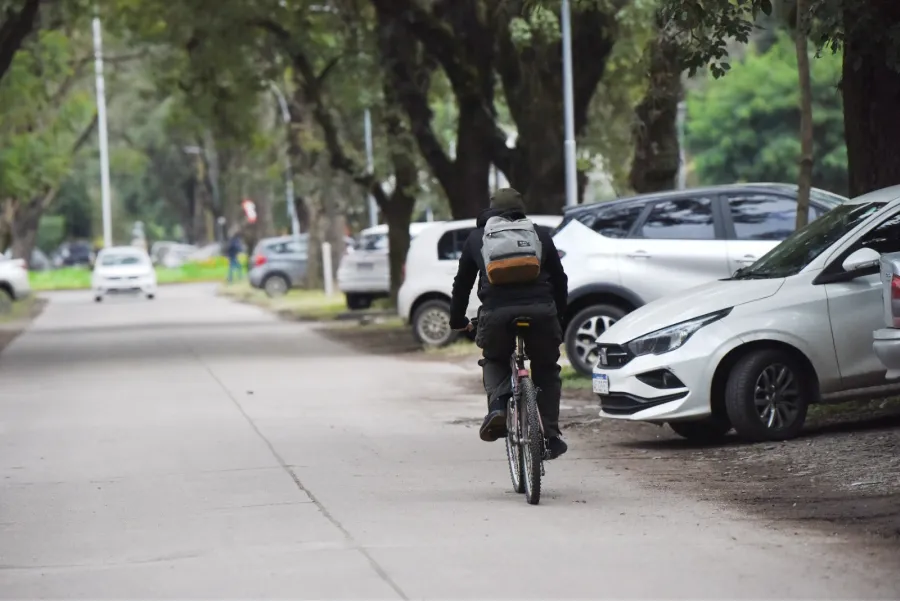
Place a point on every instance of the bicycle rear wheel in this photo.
(532, 441)
(514, 446)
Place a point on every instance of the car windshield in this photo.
(373, 242)
(803, 246)
(121, 259)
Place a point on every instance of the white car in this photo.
(622, 254)
(123, 269)
(424, 298)
(365, 274)
(14, 278)
(754, 350)
(887, 339)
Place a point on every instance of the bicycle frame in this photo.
(519, 371)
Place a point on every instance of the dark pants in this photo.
(496, 337)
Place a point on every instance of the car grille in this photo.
(613, 356)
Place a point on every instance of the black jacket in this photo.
(551, 285)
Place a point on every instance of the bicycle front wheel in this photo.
(514, 446)
(532, 441)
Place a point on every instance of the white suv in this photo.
(431, 264)
(622, 254)
(753, 352)
(365, 274)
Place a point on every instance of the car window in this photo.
(680, 219)
(373, 242)
(110, 260)
(616, 221)
(765, 216)
(451, 244)
(885, 238)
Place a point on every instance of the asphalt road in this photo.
(189, 447)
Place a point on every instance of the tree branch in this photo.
(16, 28)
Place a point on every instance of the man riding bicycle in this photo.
(543, 300)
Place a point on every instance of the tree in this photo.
(745, 127)
(866, 31)
(40, 136)
(804, 181)
(476, 42)
(17, 20)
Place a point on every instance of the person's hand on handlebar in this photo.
(469, 327)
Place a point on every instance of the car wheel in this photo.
(358, 302)
(703, 431)
(581, 335)
(431, 324)
(767, 396)
(276, 285)
(151, 296)
(98, 299)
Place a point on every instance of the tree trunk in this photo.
(656, 148)
(24, 228)
(314, 278)
(15, 27)
(199, 233)
(871, 92)
(804, 179)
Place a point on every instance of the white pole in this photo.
(288, 173)
(429, 214)
(104, 141)
(326, 268)
(370, 168)
(569, 102)
(682, 166)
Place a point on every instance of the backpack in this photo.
(511, 251)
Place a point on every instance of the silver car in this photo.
(279, 264)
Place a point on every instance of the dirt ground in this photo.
(12, 325)
(842, 475)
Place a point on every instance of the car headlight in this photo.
(672, 337)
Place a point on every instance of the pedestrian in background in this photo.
(233, 251)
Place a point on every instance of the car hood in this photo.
(691, 303)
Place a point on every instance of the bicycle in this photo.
(526, 443)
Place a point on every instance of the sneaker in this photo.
(557, 446)
(494, 426)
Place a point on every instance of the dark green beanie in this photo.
(507, 198)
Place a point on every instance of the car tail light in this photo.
(259, 260)
(895, 299)
(20, 263)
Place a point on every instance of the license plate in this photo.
(365, 266)
(601, 384)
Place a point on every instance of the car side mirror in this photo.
(862, 258)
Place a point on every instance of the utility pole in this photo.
(104, 137)
(569, 104)
(682, 166)
(370, 169)
(288, 172)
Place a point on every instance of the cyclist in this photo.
(543, 300)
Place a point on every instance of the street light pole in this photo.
(370, 168)
(102, 131)
(682, 167)
(288, 172)
(569, 102)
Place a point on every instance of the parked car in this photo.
(72, 254)
(171, 254)
(755, 350)
(123, 270)
(14, 283)
(886, 342)
(38, 261)
(424, 298)
(279, 264)
(622, 254)
(365, 275)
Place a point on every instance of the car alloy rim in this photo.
(586, 337)
(777, 396)
(276, 285)
(434, 326)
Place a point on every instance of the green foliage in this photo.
(51, 232)
(745, 127)
(42, 112)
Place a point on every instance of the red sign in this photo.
(249, 210)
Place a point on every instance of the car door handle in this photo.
(747, 260)
(639, 254)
